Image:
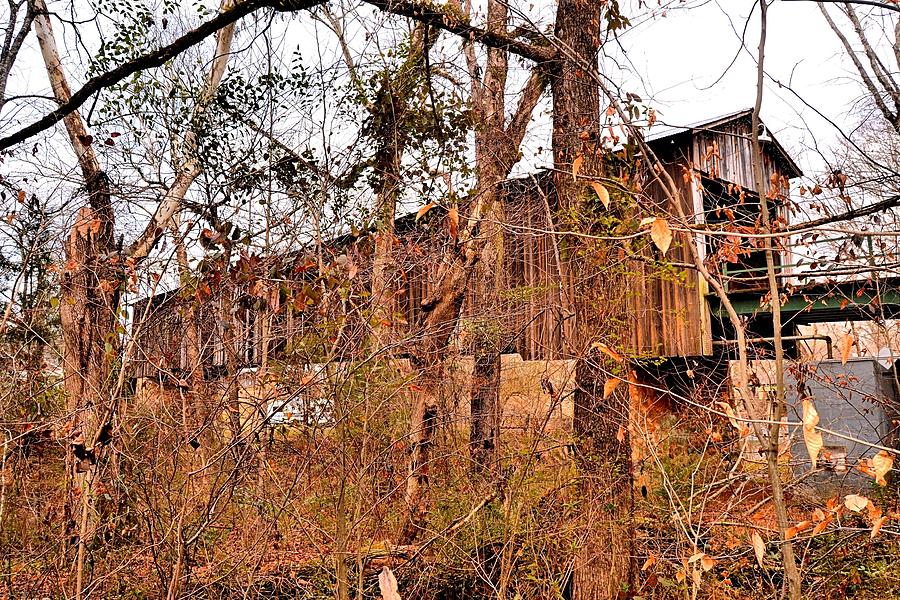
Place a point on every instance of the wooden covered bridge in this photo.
(670, 315)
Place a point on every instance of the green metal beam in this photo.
(855, 299)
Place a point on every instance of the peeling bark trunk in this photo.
(90, 288)
(89, 301)
(427, 359)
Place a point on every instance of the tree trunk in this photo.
(493, 160)
(388, 124)
(484, 438)
(90, 288)
(489, 335)
(604, 567)
(427, 359)
(497, 146)
(89, 301)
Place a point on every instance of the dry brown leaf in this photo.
(811, 436)
(680, 576)
(759, 547)
(695, 557)
(453, 220)
(798, 528)
(846, 346)
(649, 562)
(601, 192)
(620, 435)
(822, 525)
(732, 418)
(661, 235)
(608, 351)
(855, 502)
(576, 166)
(876, 526)
(610, 386)
(421, 212)
(387, 585)
(863, 466)
(881, 466)
(707, 562)
(873, 511)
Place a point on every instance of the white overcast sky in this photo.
(680, 63)
(681, 57)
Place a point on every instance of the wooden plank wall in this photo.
(726, 154)
(536, 289)
(665, 303)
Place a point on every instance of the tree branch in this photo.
(425, 13)
(528, 99)
(893, 7)
(149, 60)
(442, 18)
(863, 73)
(853, 213)
(12, 45)
(188, 172)
(878, 68)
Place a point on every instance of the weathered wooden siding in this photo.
(537, 285)
(666, 304)
(667, 308)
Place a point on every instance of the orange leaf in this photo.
(707, 562)
(610, 386)
(661, 235)
(881, 466)
(601, 192)
(421, 212)
(453, 219)
(822, 526)
(846, 346)
(620, 435)
(608, 351)
(874, 511)
(803, 526)
(649, 562)
(876, 526)
(576, 166)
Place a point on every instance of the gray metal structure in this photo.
(858, 399)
